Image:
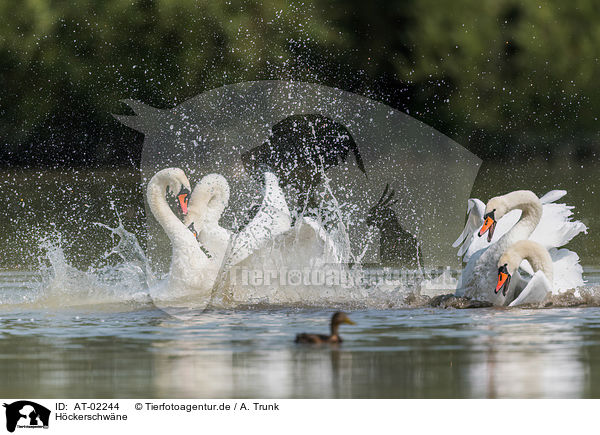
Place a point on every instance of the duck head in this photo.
(341, 317)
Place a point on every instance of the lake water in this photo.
(135, 350)
(69, 328)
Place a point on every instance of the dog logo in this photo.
(26, 414)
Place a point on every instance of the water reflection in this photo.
(526, 357)
(389, 354)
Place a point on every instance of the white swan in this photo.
(191, 271)
(272, 221)
(553, 229)
(207, 203)
(500, 219)
(549, 272)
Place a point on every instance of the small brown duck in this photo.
(336, 320)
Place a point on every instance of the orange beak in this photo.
(503, 280)
(489, 225)
(183, 198)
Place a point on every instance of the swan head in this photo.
(507, 266)
(509, 262)
(504, 277)
(176, 183)
(208, 200)
(538, 257)
(495, 209)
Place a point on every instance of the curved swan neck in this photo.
(533, 252)
(181, 238)
(528, 203)
(191, 269)
(157, 190)
(531, 213)
(209, 200)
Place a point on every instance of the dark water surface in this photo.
(410, 353)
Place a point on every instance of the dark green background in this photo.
(506, 79)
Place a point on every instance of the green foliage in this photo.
(494, 74)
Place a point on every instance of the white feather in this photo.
(568, 273)
(535, 292)
(273, 218)
(555, 229)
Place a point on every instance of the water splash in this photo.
(130, 282)
(59, 284)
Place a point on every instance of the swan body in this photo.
(272, 226)
(268, 243)
(310, 238)
(272, 219)
(540, 220)
(208, 202)
(272, 222)
(191, 271)
(539, 286)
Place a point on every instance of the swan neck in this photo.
(157, 190)
(537, 256)
(540, 263)
(531, 214)
(190, 267)
(208, 202)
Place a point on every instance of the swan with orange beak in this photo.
(183, 198)
(499, 206)
(478, 279)
(479, 276)
(540, 219)
(191, 271)
(535, 289)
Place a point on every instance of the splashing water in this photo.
(288, 272)
(275, 283)
(59, 284)
(295, 272)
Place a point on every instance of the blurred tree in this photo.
(501, 77)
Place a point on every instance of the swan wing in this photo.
(311, 235)
(552, 196)
(475, 210)
(535, 292)
(273, 218)
(557, 228)
(467, 239)
(568, 273)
